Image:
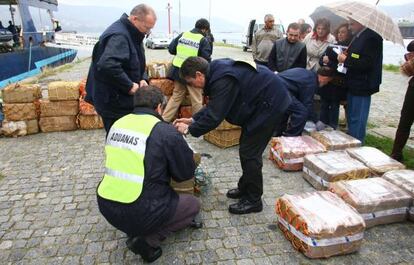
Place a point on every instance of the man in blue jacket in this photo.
(118, 65)
(363, 60)
(143, 154)
(250, 96)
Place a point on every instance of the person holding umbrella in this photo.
(363, 61)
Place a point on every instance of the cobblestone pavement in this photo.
(49, 214)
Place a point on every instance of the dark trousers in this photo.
(250, 151)
(297, 114)
(330, 112)
(187, 208)
(406, 121)
(108, 122)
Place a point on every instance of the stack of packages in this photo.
(88, 118)
(320, 224)
(405, 180)
(322, 169)
(157, 73)
(288, 152)
(58, 113)
(335, 140)
(376, 199)
(377, 161)
(20, 109)
(225, 135)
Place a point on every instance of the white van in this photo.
(253, 27)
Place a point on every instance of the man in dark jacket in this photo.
(196, 42)
(252, 97)
(118, 65)
(363, 60)
(302, 84)
(289, 52)
(143, 154)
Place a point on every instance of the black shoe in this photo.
(234, 194)
(139, 246)
(244, 206)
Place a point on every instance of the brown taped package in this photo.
(321, 169)
(185, 112)
(320, 224)
(225, 135)
(158, 69)
(86, 109)
(88, 122)
(19, 128)
(21, 93)
(186, 186)
(32, 126)
(335, 140)
(166, 85)
(405, 180)
(377, 161)
(377, 200)
(19, 111)
(58, 124)
(288, 152)
(58, 108)
(63, 90)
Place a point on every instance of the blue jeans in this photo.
(357, 114)
(330, 112)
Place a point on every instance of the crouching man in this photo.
(143, 153)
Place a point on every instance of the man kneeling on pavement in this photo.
(143, 153)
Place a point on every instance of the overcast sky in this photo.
(232, 10)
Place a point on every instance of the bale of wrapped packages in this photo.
(14, 128)
(377, 200)
(86, 109)
(335, 140)
(376, 160)
(320, 224)
(158, 69)
(32, 126)
(58, 124)
(21, 93)
(185, 112)
(19, 111)
(322, 169)
(288, 152)
(166, 85)
(89, 122)
(186, 186)
(225, 135)
(63, 90)
(58, 108)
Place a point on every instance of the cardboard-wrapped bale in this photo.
(21, 93)
(58, 124)
(186, 186)
(19, 128)
(322, 169)
(166, 85)
(62, 90)
(320, 224)
(225, 135)
(185, 112)
(405, 180)
(86, 109)
(288, 152)
(58, 108)
(377, 200)
(377, 161)
(32, 126)
(158, 69)
(19, 111)
(89, 122)
(335, 140)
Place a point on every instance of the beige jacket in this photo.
(262, 43)
(316, 49)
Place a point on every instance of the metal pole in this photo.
(179, 16)
(169, 18)
(209, 11)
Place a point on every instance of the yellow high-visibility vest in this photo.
(187, 46)
(125, 152)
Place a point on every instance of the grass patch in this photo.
(371, 126)
(48, 71)
(385, 145)
(391, 68)
(1, 176)
(222, 44)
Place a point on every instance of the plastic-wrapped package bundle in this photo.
(63, 90)
(335, 140)
(377, 200)
(58, 108)
(158, 69)
(19, 111)
(166, 85)
(288, 152)
(58, 124)
(322, 169)
(320, 224)
(14, 128)
(89, 122)
(377, 161)
(405, 180)
(21, 93)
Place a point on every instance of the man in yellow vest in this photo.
(187, 44)
(143, 154)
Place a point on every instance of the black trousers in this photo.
(108, 122)
(406, 121)
(250, 152)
